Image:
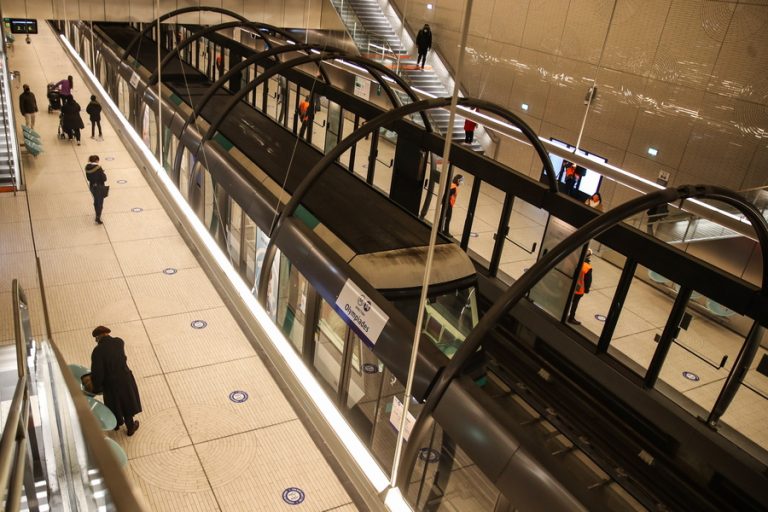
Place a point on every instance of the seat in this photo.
(120, 455)
(657, 278)
(106, 419)
(718, 309)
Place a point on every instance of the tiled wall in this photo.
(687, 77)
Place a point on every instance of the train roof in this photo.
(371, 228)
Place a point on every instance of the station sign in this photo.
(362, 312)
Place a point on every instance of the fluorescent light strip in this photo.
(324, 405)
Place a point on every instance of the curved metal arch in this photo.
(211, 91)
(257, 26)
(375, 124)
(171, 14)
(305, 60)
(517, 291)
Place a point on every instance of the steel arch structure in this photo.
(171, 14)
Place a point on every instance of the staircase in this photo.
(7, 138)
(376, 39)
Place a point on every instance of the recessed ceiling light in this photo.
(429, 6)
(524, 106)
(653, 151)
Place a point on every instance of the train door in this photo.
(348, 368)
(292, 303)
(333, 126)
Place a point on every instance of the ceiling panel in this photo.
(634, 35)
(570, 82)
(585, 29)
(508, 21)
(664, 120)
(740, 70)
(614, 110)
(690, 42)
(544, 25)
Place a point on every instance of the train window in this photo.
(123, 97)
(291, 303)
(330, 339)
(450, 318)
(149, 129)
(102, 71)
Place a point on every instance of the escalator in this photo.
(53, 453)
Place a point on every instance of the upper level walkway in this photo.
(217, 433)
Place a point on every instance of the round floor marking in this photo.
(169, 271)
(691, 376)
(122, 182)
(137, 209)
(238, 396)
(370, 368)
(199, 324)
(293, 495)
(429, 455)
(600, 318)
(474, 234)
(109, 158)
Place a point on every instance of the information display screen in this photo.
(590, 180)
(22, 25)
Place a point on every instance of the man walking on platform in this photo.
(583, 284)
(304, 117)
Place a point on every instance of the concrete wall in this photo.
(687, 77)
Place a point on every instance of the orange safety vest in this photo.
(454, 192)
(304, 110)
(585, 267)
(570, 172)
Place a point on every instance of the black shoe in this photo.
(133, 430)
(98, 220)
(574, 321)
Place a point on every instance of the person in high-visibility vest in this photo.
(304, 116)
(570, 178)
(583, 284)
(452, 194)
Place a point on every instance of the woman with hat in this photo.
(110, 374)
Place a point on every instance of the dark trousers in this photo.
(94, 124)
(98, 199)
(574, 305)
(469, 136)
(303, 129)
(422, 58)
(447, 221)
(73, 132)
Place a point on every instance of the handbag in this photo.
(106, 190)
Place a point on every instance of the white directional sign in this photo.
(362, 311)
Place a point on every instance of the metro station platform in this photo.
(217, 433)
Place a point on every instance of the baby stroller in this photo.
(54, 98)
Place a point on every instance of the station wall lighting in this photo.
(429, 6)
(524, 106)
(653, 151)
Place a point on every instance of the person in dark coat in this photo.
(110, 374)
(97, 180)
(423, 44)
(28, 106)
(71, 121)
(94, 113)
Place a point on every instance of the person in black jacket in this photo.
(94, 112)
(110, 374)
(71, 121)
(423, 44)
(97, 180)
(28, 106)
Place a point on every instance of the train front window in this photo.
(449, 318)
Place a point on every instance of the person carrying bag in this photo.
(97, 183)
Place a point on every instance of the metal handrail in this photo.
(349, 17)
(14, 439)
